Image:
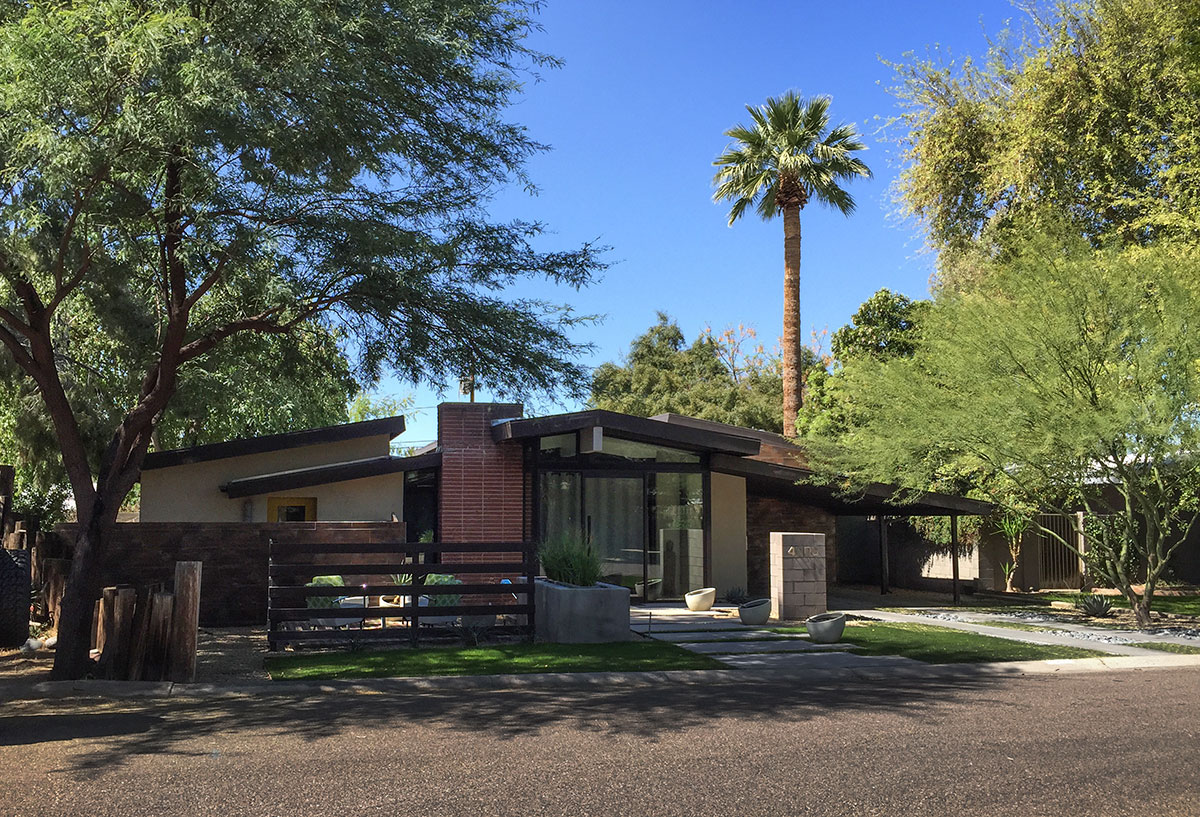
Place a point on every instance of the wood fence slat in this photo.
(381, 568)
(394, 634)
(291, 591)
(372, 613)
(185, 622)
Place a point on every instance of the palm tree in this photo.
(788, 155)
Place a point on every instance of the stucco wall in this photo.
(728, 532)
(191, 493)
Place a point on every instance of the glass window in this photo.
(560, 446)
(645, 452)
(559, 504)
(291, 509)
(615, 523)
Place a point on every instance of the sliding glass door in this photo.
(648, 529)
(614, 519)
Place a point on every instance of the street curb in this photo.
(585, 680)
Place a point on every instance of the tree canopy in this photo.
(1091, 115)
(726, 377)
(1067, 378)
(187, 175)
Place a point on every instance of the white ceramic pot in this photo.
(755, 613)
(826, 628)
(700, 600)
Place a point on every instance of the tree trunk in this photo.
(71, 659)
(792, 359)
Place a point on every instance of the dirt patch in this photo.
(226, 654)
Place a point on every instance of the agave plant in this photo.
(1094, 606)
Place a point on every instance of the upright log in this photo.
(158, 635)
(181, 656)
(54, 582)
(885, 570)
(954, 554)
(7, 478)
(104, 621)
(120, 640)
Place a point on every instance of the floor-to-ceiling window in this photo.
(640, 506)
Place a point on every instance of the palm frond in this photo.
(789, 137)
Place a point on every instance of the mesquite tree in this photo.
(1067, 379)
(189, 172)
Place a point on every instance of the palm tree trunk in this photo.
(791, 318)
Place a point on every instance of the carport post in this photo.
(954, 552)
(883, 556)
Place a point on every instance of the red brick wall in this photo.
(481, 493)
(767, 513)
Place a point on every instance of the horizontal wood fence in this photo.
(387, 593)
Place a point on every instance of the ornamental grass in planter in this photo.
(572, 605)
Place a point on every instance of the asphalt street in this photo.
(1089, 744)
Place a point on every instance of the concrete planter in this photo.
(568, 614)
(826, 628)
(755, 613)
(700, 600)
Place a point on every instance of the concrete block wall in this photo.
(798, 575)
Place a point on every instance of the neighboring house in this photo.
(670, 503)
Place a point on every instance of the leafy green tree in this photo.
(1068, 378)
(886, 326)
(186, 174)
(1093, 113)
(725, 377)
(788, 154)
(249, 386)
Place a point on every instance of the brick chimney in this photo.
(480, 492)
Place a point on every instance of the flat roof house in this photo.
(670, 503)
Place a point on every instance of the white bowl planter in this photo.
(826, 628)
(700, 600)
(755, 613)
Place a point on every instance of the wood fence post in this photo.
(157, 636)
(141, 634)
(104, 624)
(7, 479)
(185, 621)
(116, 651)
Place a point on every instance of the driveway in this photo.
(1099, 744)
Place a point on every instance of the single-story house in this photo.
(670, 503)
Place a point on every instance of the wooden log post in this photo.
(7, 480)
(158, 634)
(104, 624)
(141, 632)
(185, 622)
(120, 642)
(54, 573)
(954, 555)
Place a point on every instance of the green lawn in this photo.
(941, 645)
(1169, 646)
(1175, 605)
(495, 659)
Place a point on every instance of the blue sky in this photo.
(635, 118)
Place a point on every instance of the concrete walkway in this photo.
(1057, 639)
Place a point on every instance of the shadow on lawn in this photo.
(174, 726)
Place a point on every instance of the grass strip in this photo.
(942, 645)
(1168, 646)
(622, 656)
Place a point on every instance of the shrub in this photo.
(323, 602)
(1094, 606)
(736, 595)
(570, 560)
(443, 599)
